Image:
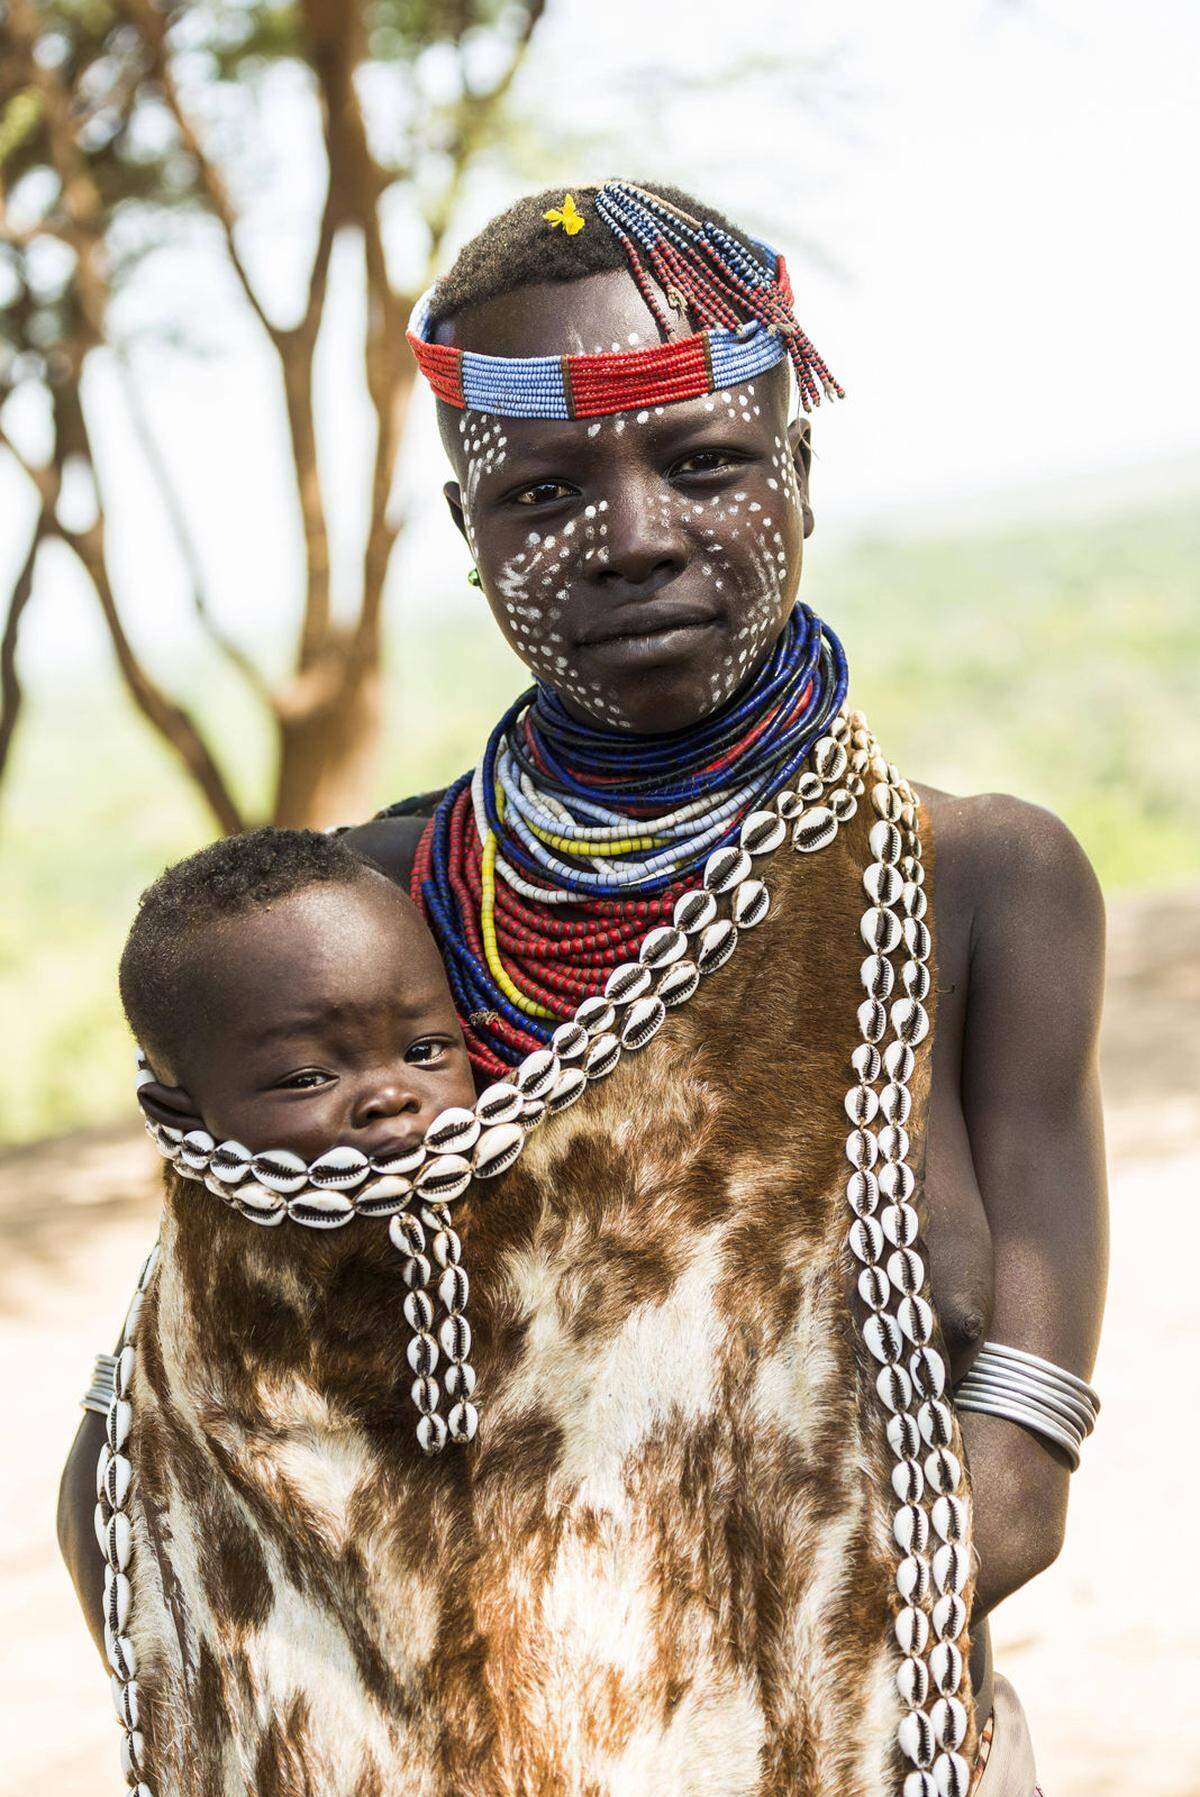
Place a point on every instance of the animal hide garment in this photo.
(666, 1567)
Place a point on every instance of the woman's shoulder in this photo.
(389, 839)
(1000, 857)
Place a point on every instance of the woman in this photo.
(680, 1568)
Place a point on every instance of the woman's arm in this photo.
(76, 1534)
(1031, 1098)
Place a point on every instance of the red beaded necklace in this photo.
(558, 957)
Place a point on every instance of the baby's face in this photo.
(324, 1019)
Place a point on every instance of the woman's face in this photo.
(641, 564)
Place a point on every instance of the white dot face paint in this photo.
(740, 544)
(486, 445)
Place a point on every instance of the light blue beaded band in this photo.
(592, 386)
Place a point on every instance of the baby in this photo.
(298, 1038)
(287, 995)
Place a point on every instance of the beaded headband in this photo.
(743, 301)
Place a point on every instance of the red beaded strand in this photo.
(557, 955)
(703, 277)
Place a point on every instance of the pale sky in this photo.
(1002, 195)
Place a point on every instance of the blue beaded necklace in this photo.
(588, 770)
(562, 818)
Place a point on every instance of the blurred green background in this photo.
(1057, 661)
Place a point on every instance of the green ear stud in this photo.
(473, 578)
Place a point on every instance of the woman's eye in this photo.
(543, 493)
(707, 461)
(307, 1080)
(423, 1052)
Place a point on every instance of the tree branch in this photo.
(151, 28)
(295, 347)
(356, 182)
(44, 480)
(318, 280)
(20, 241)
(10, 684)
(80, 198)
(390, 377)
(475, 115)
(172, 721)
(298, 349)
(177, 520)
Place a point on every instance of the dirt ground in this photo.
(1104, 1648)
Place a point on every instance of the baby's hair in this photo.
(226, 879)
(519, 248)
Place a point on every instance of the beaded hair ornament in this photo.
(742, 301)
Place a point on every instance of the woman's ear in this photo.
(800, 444)
(172, 1105)
(453, 493)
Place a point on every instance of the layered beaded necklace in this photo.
(541, 870)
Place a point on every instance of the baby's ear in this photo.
(172, 1105)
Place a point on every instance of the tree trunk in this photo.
(10, 684)
(327, 757)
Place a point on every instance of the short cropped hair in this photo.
(519, 248)
(226, 879)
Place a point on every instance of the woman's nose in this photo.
(392, 1097)
(644, 544)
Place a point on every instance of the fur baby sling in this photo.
(666, 1566)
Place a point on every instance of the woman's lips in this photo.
(648, 632)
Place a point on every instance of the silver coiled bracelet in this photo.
(1024, 1388)
(103, 1389)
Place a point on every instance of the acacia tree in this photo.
(79, 82)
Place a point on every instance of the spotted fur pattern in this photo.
(666, 1566)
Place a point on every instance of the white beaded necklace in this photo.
(416, 1190)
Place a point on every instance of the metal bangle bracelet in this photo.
(100, 1393)
(1068, 1410)
(1011, 1412)
(1035, 1367)
(1024, 1388)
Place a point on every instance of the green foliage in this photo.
(220, 51)
(18, 121)
(1057, 662)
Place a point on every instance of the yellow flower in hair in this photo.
(567, 215)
